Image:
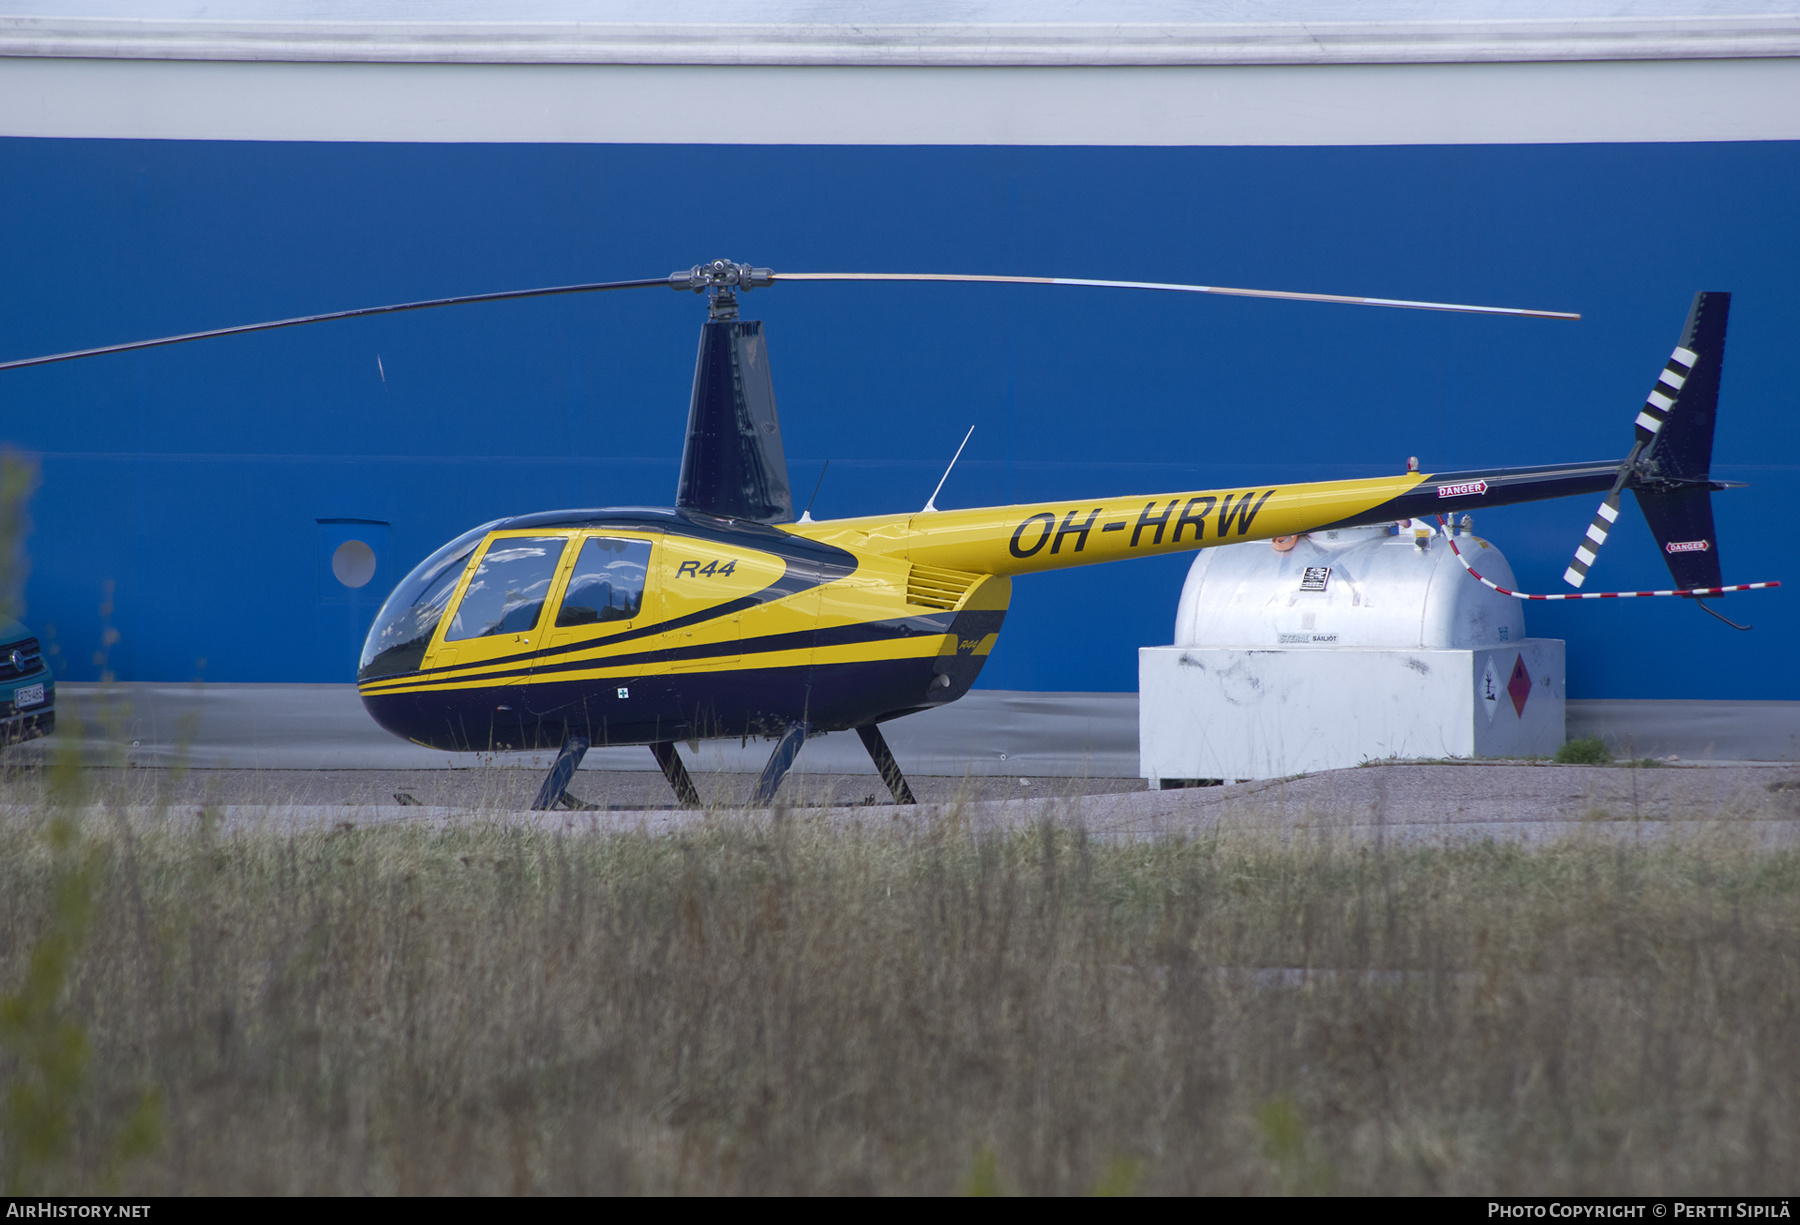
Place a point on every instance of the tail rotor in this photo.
(1667, 468)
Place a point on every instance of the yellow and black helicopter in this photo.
(724, 615)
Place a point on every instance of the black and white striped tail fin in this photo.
(1662, 398)
(1597, 531)
(1668, 465)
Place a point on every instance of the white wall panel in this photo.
(1369, 104)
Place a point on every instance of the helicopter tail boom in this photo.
(1014, 540)
(1667, 470)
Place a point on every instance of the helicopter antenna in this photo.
(931, 502)
(806, 515)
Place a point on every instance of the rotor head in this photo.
(720, 282)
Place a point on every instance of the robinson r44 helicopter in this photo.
(725, 616)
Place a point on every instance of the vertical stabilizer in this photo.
(1682, 450)
(1673, 483)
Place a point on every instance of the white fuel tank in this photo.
(1342, 647)
(1352, 587)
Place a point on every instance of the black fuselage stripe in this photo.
(835, 636)
(798, 640)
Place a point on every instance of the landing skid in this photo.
(686, 794)
(786, 749)
(884, 761)
(555, 791)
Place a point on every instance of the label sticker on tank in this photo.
(1315, 578)
(1490, 689)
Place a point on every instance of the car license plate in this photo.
(30, 695)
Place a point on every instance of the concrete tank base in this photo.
(1224, 713)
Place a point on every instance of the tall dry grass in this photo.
(792, 1006)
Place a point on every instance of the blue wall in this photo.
(194, 478)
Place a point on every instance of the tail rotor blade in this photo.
(1662, 396)
(1596, 534)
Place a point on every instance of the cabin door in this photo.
(596, 669)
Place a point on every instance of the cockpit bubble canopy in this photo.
(406, 622)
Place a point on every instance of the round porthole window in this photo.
(353, 563)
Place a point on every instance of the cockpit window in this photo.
(506, 593)
(403, 628)
(608, 582)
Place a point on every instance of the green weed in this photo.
(1588, 751)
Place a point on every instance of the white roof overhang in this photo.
(934, 72)
(1055, 33)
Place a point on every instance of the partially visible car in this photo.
(27, 692)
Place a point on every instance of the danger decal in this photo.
(1687, 546)
(1462, 490)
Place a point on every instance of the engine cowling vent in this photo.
(933, 587)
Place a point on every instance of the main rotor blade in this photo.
(723, 275)
(1167, 288)
(504, 295)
